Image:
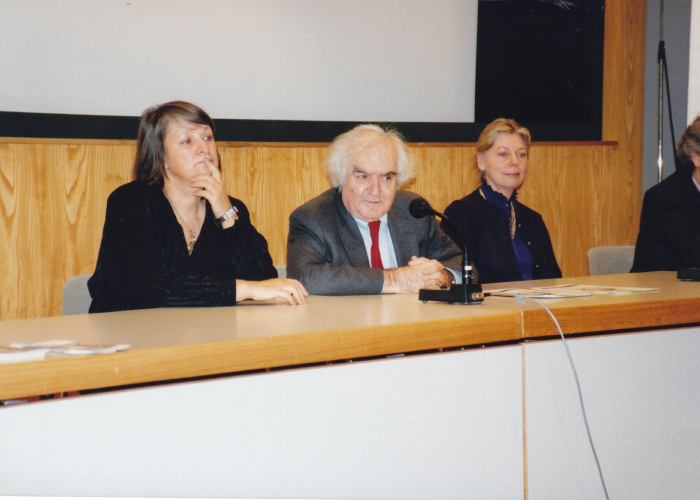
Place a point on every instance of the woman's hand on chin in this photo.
(282, 290)
(211, 187)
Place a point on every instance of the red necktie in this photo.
(374, 250)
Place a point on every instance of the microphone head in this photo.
(420, 208)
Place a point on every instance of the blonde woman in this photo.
(507, 241)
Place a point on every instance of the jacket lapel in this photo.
(349, 233)
(401, 226)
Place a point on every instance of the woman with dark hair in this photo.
(173, 237)
(669, 230)
(507, 241)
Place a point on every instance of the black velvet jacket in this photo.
(487, 231)
(669, 230)
(143, 260)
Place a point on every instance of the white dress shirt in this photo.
(386, 244)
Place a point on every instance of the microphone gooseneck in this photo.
(469, 291)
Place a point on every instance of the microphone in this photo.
(469, 291)
(420, 208)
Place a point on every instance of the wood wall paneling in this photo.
(9, 268)
(54, 196)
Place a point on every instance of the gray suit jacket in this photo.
(326, 253)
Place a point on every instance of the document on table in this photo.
(12, 355)
(20, 351)
(567, 291)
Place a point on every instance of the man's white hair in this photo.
(356, 140)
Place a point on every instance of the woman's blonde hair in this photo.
(501, 126)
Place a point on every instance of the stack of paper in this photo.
(20, 351)
(566, 291)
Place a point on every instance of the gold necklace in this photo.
(193, 234)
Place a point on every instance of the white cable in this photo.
(520, 299)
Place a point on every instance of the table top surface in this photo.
(168, 344)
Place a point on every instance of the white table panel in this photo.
(433, 426)
(643, 405)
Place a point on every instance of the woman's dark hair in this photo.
(689, 144)
(150, 140)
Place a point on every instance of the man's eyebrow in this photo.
(356, 170)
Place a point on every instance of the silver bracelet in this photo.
(228, 214)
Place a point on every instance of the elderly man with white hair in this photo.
(358, 237)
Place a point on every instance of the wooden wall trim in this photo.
(239, 144)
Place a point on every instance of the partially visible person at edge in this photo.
(506, 240)
(172, 236)
(358, 237)
(669, 230)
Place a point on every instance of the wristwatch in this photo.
(228, 214)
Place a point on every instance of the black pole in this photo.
(661, 57)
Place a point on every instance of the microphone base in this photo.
(471, 293)
(689, 274)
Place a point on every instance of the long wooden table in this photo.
(502, 421)
(171, 344)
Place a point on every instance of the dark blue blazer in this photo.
(487, 232)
